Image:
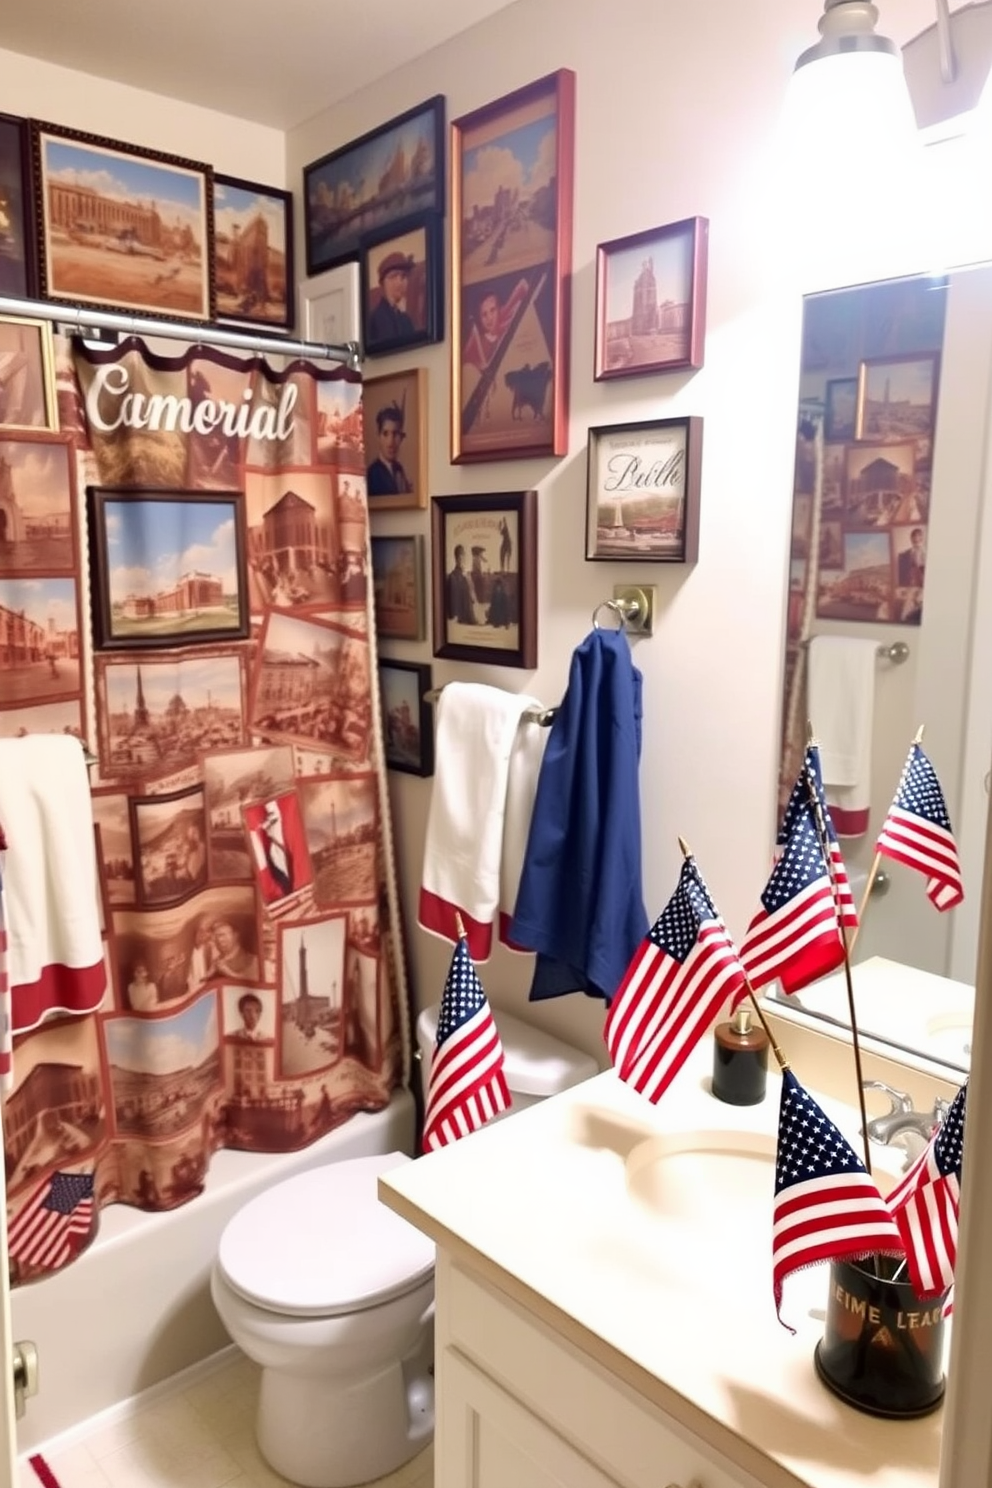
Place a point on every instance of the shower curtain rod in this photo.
(80, 319)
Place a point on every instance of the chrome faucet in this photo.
(902, 1117)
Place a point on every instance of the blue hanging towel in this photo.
(580, 905)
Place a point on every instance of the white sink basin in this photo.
(711, 1195)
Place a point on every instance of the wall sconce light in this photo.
(947, 68)
(852, 80)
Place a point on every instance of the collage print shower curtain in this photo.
(208, 638)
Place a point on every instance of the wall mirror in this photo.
(889, 548)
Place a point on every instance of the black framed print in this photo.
(407, 716)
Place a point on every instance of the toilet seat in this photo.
(320, 1244)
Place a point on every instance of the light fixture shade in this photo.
(850, 151)
(852, 101)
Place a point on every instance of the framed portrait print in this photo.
(146, 591)
(398, 583)
(840, 409)
(651, 300)
(897, 396)
(27, 374)
(143, 241)
(394, 419)
(330, 306)
(407, 716)
(402, 287)
(484, 569)
(642, 491)
(253, 252)
(511, 209)
(405, 161)
(18, 260)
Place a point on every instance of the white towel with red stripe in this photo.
(841, 706)
(472, 813)
(54, 950)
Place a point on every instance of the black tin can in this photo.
(882, 1348)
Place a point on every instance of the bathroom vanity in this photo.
(604, 1304)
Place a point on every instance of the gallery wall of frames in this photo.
(386, 244)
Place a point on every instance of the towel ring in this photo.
(624, 609)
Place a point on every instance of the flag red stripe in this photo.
(640, 1002)
(681, 1028)
(664, 1007)
(465, 1060)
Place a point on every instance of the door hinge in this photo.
(25, 1366)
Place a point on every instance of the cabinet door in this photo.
(486, 1439)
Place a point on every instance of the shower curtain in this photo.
(195, 546)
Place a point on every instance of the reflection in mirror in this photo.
(889, 556)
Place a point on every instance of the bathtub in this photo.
(136, 1308)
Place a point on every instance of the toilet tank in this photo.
(536, 1064)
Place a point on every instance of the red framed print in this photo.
(651, 300)
(511, 212)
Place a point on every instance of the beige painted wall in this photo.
(654, 143)
(677, 114)
(235, 147)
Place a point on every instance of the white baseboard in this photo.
(176, 1384)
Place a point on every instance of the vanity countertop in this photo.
(547, 1207)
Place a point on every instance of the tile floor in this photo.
(201, 1437)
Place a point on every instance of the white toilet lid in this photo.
(320, 1243)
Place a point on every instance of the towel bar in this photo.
(543, 716)
(897, 653)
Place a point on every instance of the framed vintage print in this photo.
(168, 567)
(484, 569)
(840, 408)
(37, 503)
(511, 257)
(407, 716)
(398, 583)
(27, 374)
(405, 158)
(394, 416)
(141, 240)
(861, 587)
(40, 655)
(651, 300)
(897, 396)
(403, 287)
(642, 491)
(169, 845)
(253, 252)
(330, 307)
(18, 256)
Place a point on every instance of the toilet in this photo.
(333, 1295)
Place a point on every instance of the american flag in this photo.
(680, 975)
(925, 1205)
(53, 1223)
(917, 831)
(827, 1205)
(467, 1086)
(796, 934)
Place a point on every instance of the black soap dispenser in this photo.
(740, 1060)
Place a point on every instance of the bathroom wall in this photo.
(677, 114)
(678, 109)
(236, 147)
